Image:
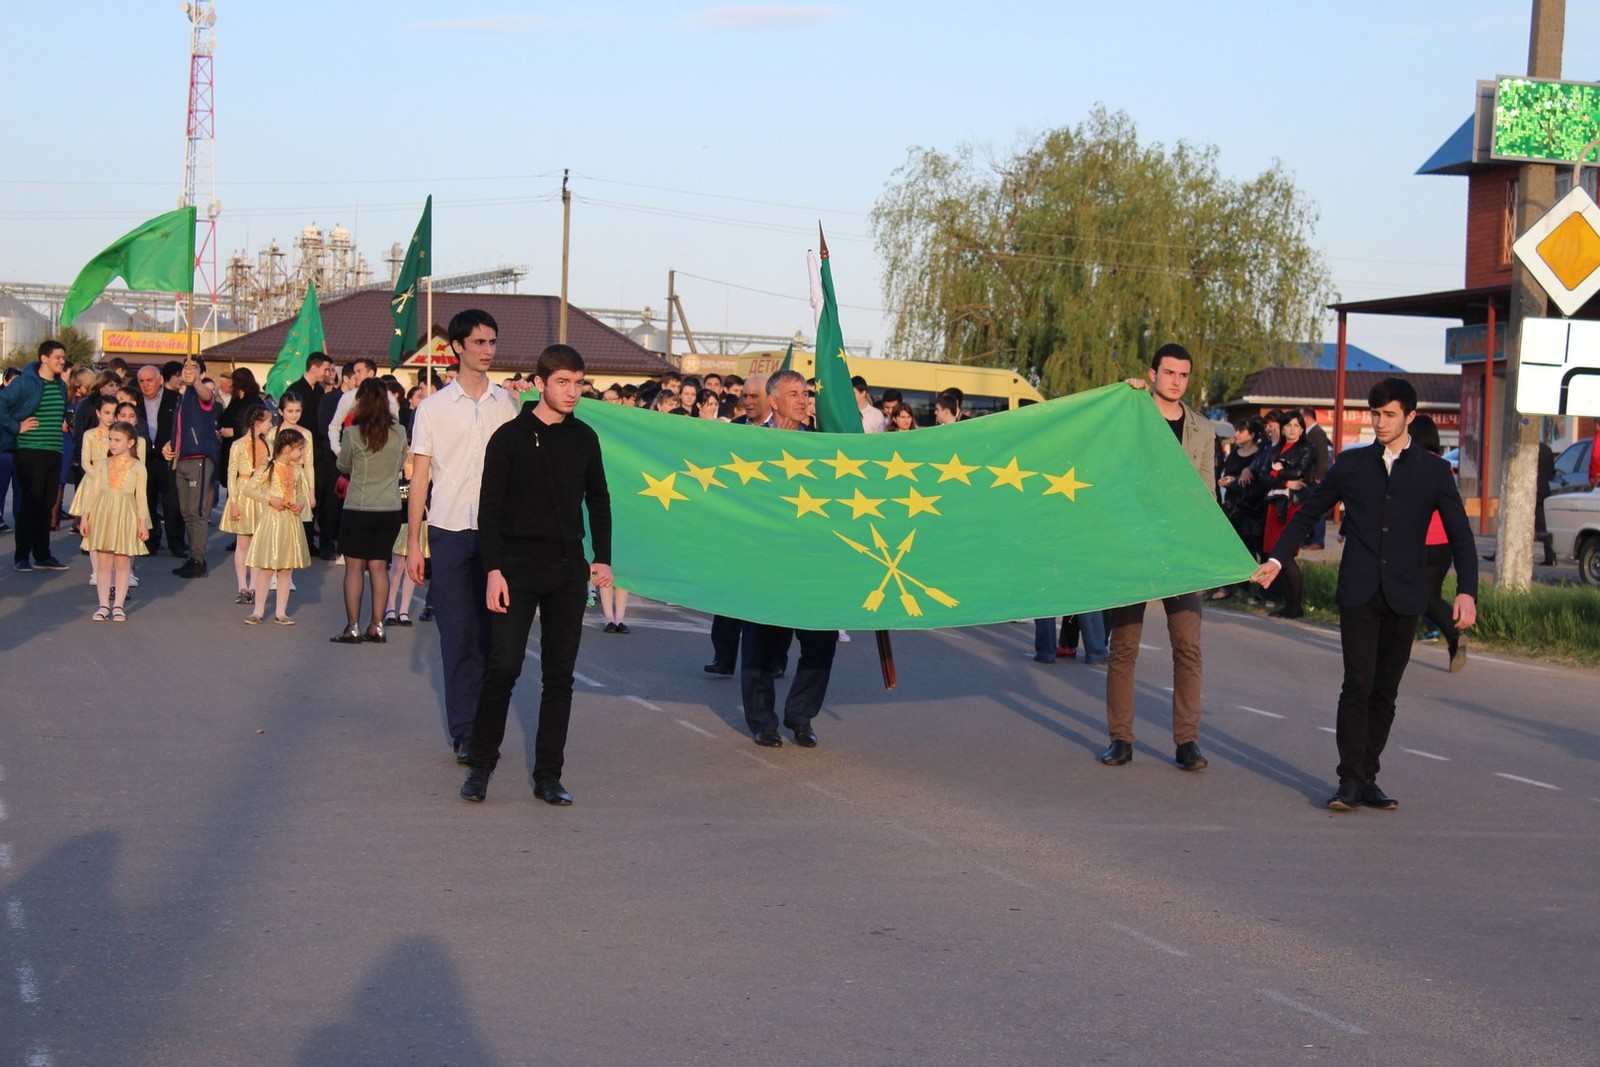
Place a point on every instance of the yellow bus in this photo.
(985, 390)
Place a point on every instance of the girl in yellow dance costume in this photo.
(243, 512)
(279, 543)
(115, 519)
(95, 446)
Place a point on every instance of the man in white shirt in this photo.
(360, 370)
(448, 437)
(872, 420)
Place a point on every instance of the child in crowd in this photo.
(242, 512)
(96, 445)
(290, 411)
(279, 543)
(401, 588)
(116, 519)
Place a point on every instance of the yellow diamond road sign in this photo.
(1562, 251)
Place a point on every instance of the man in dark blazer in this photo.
(1390, 490)
(158, 406)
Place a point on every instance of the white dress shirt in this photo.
(453, 430)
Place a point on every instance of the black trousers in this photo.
(161, 489)
(557, 591)
(38, 475)
(725, 640)
(1442, 613)
(761, 649)
(1377, 646)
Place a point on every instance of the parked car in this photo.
(1572, 468)
(1573, 519)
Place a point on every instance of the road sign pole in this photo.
(1519, 455)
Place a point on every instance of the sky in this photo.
(712, 140)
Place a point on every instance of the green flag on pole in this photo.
(788, 358)
(837, 411)
(1081, 503)
(156, 256)
(305, 337)
(418, 264)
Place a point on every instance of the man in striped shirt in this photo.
(33, 418)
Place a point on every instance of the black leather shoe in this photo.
(718, 668)
(1458, 656)
(191, 568)
(476, 787)
(551, 792)
(1348, 798)
(1373, 797)
(463, 747)
(1119, 753)
(805, 737)
(769, 739)
(1188, 757)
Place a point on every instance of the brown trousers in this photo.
(1126, 626)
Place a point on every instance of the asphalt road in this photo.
(233, 845)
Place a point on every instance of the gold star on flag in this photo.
(805, 502)
(895, 467)
(662, 490)
(954, 471)
(746, 469)
(1010, 475)
(793, 467)
(706, 476)
(843, 465)
(916, 503)
(1067, 484)
(861, 505)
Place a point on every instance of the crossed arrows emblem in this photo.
(891, 564)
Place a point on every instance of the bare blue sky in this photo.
(712, 139)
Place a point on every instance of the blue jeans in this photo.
(457, 589)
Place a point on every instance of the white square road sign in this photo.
(1560, 368)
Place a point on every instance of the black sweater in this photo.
(536, 480)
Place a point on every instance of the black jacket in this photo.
(1386, 526)
(537, 478)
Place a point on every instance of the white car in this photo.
(1573, 520)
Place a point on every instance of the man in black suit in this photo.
(311, 388)
(158, 406)
(1390, 490)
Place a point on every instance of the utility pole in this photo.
(1519, 455)
(672, 297)
(566, 243)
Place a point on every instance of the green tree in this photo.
(80, 350)
(1072, 261)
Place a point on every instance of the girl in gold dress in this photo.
(279, 543)
(291, 411)
(116, 517)
(95, 446)
(243, 512)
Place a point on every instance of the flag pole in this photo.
(427, 340)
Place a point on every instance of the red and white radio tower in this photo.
(200, 165)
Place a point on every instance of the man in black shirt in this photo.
(539, 472)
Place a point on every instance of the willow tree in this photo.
(1075, 259)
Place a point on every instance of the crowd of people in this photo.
(421, 485)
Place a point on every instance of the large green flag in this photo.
(1081, 503)
(156, 257)
(305, 337)
(837, 411)
(418, 264)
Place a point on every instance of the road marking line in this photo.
(5, 857)
(1327, 729)
(14, 918)
(1006, 876)
(1315, 1013)
(1152, 942)
(825, 791)
(687, 725)
(1426, 755)
(1508, 662)
(926, 839)
(643, 703)
(1526, 781)
(1151, 648)
(40, 1057)
(1258, 711)
(584, 678)
(2, 811)
(758, 759)
(27, 984)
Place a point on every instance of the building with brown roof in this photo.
(360, 325)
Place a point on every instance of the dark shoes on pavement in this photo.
(476, 787)
(192, 568)
(463, 747)
(769, 739)
(718, 668)
(1458, 655)
(1373, 797)
(550, 791)
(805, 737)
(1349, 796)
(1188, 757)
(1119, 753)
